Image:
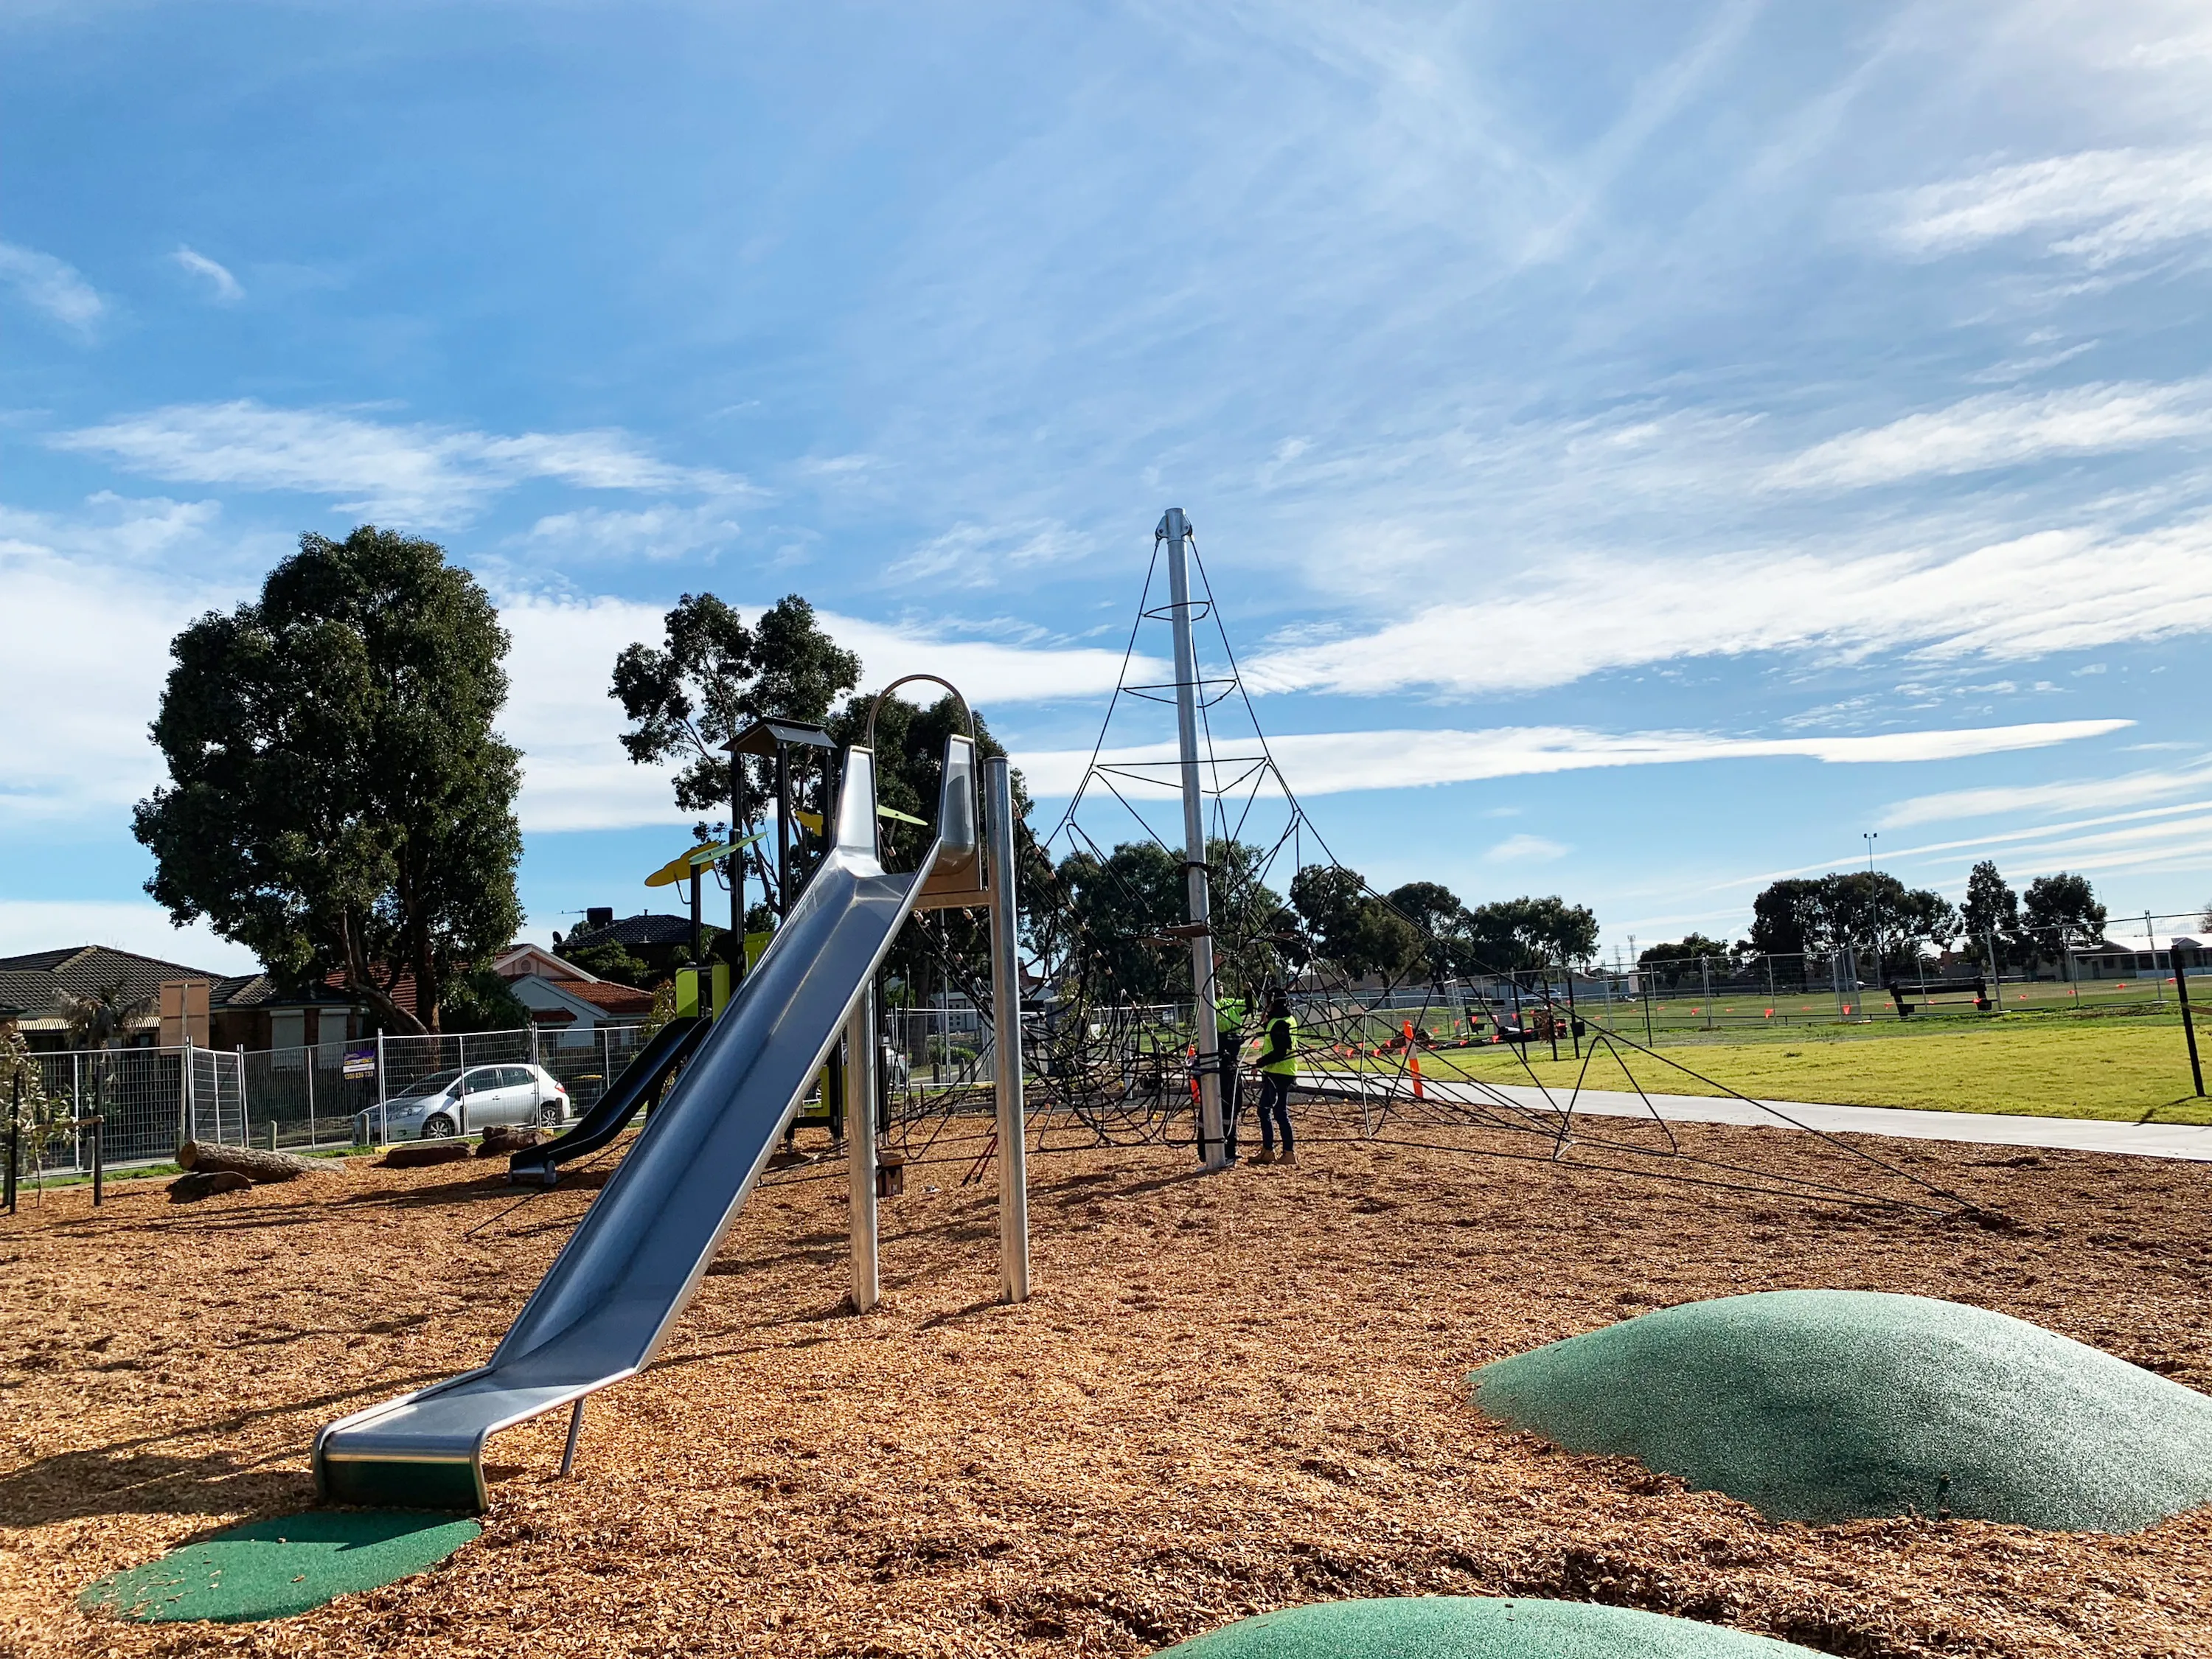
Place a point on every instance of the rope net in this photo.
(1110, 1038)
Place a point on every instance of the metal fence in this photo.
(151, 1100)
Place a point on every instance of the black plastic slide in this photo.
(540, 1166)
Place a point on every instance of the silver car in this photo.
(466, 1102)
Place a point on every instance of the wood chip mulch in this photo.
(1228, 1395)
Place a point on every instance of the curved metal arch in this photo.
(967, 715)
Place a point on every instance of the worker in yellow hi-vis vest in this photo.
(1278, 1069)
(1229, 1016)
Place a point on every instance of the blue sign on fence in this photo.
(359, 1061)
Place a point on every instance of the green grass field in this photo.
(1683, 1008)
(2130, 1070)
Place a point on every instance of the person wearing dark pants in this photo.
(1278, 1070)
(1229, 1032)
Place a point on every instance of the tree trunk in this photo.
(200, 1156)
(363, 983)
(205, 1183)
(415, 1154)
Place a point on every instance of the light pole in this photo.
(1873, 899)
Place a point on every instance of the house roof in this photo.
(644, 928)
(536, 961)
(39, 983)
(611, 998)
(40, 979)
(402, 991)
(260, 991)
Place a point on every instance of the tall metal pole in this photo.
(1006, 1034)
(860, 1147)
(1212, 1149)
(782, 832)
(734, 866)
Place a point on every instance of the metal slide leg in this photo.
(1006, 1020)
(860, 1145)
(575, 1428)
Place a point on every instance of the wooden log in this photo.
(255, 1164)
(501, 1139)
(415, 1154)
(205, 1183)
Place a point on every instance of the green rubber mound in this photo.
(1837, 1405)
(1476, 1627)
(272, 1569)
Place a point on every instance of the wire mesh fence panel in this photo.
(149, 1100)
(215, 1097)
(298, 1099)
(934, 1055)
(587, 1063)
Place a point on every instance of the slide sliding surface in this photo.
(638, 1254)
(540, 1166)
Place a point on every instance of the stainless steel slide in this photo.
(540, 1166)
(635, 1259)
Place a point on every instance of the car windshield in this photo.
(437, 1083)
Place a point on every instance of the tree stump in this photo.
(205, 1183)
(200, 1157)
(501, 1139)
(416, 1154)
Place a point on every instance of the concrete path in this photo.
(2072, 1134)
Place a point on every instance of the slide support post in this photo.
(1006, 1034)
(860, 1145)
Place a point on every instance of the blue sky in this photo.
(1638, 450)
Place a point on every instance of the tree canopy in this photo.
(1520, 934)
(337, 800)
(1351, 926)
(1855, 909)
(1992, 906)
(711, 676)
(2063, 909)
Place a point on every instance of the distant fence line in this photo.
(296, 1099)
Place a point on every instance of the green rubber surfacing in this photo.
(273, 1569)
(1476, 1627)
(1824, 1406)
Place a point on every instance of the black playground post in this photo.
(2180, 995)
(99, 1158)
(15, 1137)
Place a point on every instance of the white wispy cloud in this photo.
(408, 472)
(1320, 764)
(2015, 600)
(2033, 799)
(224, 286)
(1527, 849)
(664, 532)
(973, 555)
(92, 604)
(2003, 429)
(53, 287)
(575, 776)
(2099, 204)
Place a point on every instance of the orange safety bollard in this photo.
(1414, 1061)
